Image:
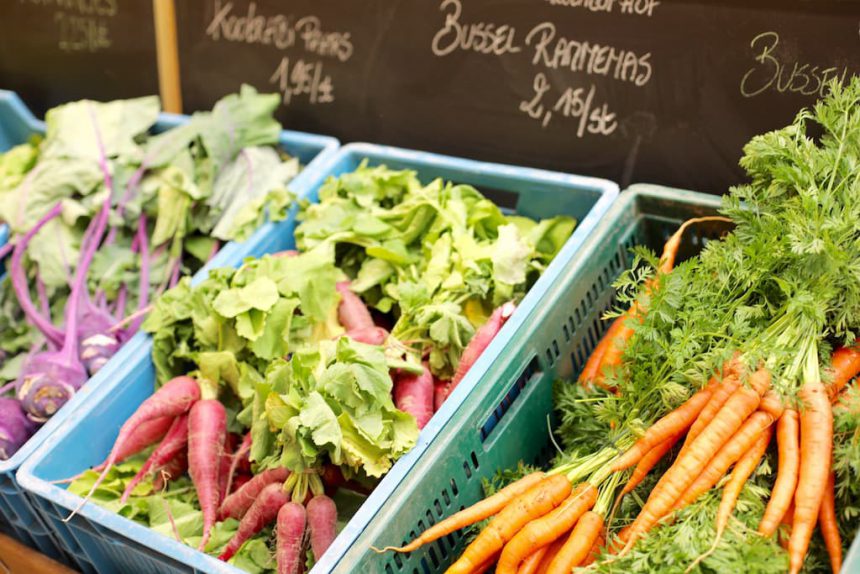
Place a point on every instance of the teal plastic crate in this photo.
(505, 419)
(19, 517)
(106, 542)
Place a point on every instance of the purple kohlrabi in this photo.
(15, 427)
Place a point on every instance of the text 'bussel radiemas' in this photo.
(548, 49)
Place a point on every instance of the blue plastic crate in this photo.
(18, 515)
(111, 543)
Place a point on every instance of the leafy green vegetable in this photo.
(236, 321)
(439, 256)
(334, 403)
(329, 401)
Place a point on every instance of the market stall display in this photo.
(96, 176)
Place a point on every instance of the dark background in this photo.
(685, 127)
(53, 51)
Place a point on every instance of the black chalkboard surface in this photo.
(53, 51)
(665, 91)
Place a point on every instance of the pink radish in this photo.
(481, 341)
(238, 503)
(207, 429)
(146, 435)
(143, 437)
(369, 336)
(322, 522)
(352, 312)
(174, 443)
(286, 253)
(224, 470)
(441, 390)
(171, 400)
(414, 394)
(172, 470)
(292, 519)
(333, 479)
(238, 458)
(262, 512)
(241, 480)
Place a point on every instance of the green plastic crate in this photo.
(505, 419)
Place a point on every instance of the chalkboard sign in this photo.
(53, 51)
(665, 91)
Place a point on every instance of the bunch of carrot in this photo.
(552, 522)
(731, 424)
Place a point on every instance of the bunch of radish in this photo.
(180, 419)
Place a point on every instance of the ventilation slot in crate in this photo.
(516, 388)
(595, 329)
(544, 455)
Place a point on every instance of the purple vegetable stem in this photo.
(119, 307)
(143, 287)
(19, 280)
(43, 297)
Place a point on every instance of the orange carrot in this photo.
(475, 513)
(532, 564)
(648, 462)
(732, 490)
(546, 529)
(729, 453)
(670, 249)
(621, 539)
(550, 554)
(772, 404)
(742, 471)
(667, 427)
(727, 387)
(845, 365)
(829, 527)
(685, 469)
(591, 371)
(486, 565)
(578, 544)
(534, 503)
(595, 550)
(786, 474)
(816, 446)
(615, 348)
(618, 340)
